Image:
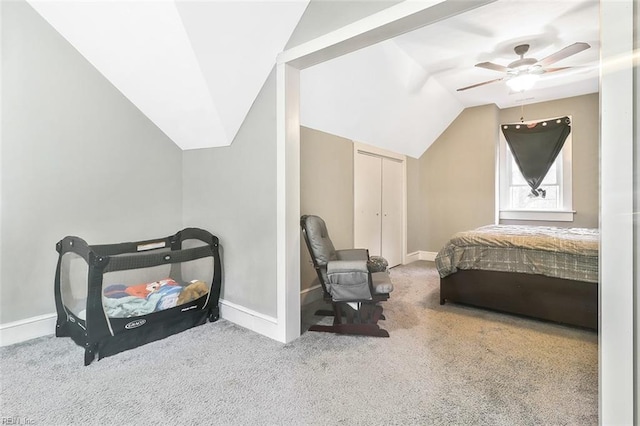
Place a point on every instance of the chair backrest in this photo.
(320, 247)
(317, 237)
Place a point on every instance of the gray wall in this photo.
(326, 190)
(324, 16)
(457, 172)
(231, 191)
(77, 159)
(585, 129)
(457, 177)
(330, 194)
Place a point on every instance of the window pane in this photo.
(516, 176)
(521, 198)
(552, 175)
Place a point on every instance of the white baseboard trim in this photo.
(44, 325)
(420, 255)
(310, 295)
(411, 257)
(250, 319)
(27, 329)
(428, 255)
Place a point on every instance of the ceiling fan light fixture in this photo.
(521, 74)
(522, 82)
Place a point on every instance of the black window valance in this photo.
(535, 147)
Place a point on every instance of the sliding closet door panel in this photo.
(367, 202)
(392, 201)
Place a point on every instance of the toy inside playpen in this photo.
(110, 298)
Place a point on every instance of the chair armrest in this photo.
(346, 266)
(352, 254)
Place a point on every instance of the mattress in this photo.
(568, 253)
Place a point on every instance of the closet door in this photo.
(392, 201)
(367, 202)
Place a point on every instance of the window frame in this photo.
(562, 214)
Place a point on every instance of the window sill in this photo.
(543, 215)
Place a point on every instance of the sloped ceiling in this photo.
(377, 95)
(450, 49)
(195, 67)
(192, 67)
(401, 94)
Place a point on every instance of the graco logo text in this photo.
(135, 324)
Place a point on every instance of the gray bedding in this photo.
(569, 253)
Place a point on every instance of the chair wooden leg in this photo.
(337, 313)
(329, 313)
(324, 313)
(362, 321)
(349, 315)
(376, 314)
(370, 313)
(372, 330)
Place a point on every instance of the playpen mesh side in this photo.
(74, 271)
(145, 290)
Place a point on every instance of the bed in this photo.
(543, 272)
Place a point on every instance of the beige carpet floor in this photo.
(442, 365)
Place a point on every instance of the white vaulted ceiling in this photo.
(377, 95)
(192, 67)
(195, 67)
(401, 94)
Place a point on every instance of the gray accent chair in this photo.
(353, 291)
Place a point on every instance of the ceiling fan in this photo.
(522, 73)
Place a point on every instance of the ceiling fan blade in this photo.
(567, 71)
(563, 53)
(548, 70)
(492, 66)
(479, 84)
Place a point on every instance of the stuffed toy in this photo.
(194, 290)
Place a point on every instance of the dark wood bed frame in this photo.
(552, 299)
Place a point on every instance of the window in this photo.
(520, 193)
(515, 199)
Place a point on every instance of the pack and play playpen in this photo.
(110, 298)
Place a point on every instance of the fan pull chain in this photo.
(522, 113)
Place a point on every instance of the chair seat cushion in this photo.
(381, 283)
